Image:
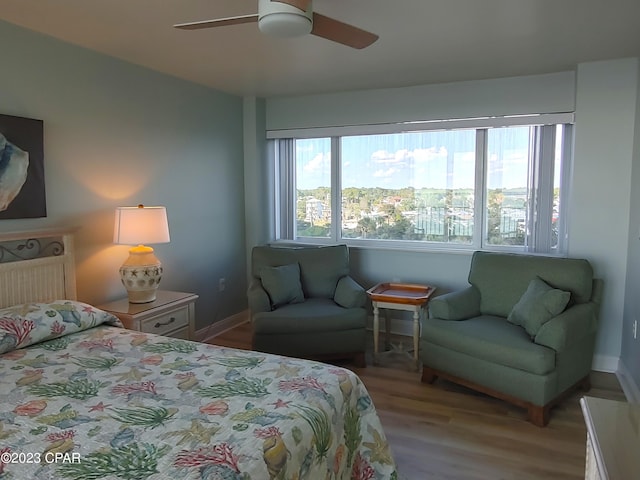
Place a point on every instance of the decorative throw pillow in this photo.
(539, 304)
(30, 323)
(282, 284)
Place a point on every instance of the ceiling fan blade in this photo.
(340, 32)
(301, 4)
(220, 22)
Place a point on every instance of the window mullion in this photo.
(336, 190)
(480, 197)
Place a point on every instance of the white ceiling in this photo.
(421, 41)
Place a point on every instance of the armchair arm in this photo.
(349, 294)
(257, 297)
(458, 305)
(569, 327)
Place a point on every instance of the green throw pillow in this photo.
(282, 284)
(539, 304)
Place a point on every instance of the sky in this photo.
(434, 159)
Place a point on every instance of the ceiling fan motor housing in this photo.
(282, 20)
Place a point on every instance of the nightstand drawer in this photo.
(167, 322)
(171, 314)
(182, 334)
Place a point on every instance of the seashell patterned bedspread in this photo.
(109, 403)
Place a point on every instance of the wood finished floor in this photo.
(443, 431)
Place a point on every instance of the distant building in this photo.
(316, 211)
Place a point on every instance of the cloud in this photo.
(319, 163)
(392, 158)
(381, 156)
(403, 156)
(422, 155)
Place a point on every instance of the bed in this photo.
(83, 398)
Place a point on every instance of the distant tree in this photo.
(314, 231)
(367, 226)
(402, 228)
(301, 206)
(408, 204)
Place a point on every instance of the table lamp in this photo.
(142, 271)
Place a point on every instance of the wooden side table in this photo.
(399, 296)
(171, 314)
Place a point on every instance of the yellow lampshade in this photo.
(142, 271)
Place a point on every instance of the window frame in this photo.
(544, 152)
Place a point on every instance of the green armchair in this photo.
(303, 303)
(524, 330)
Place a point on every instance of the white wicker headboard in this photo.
(36, 266)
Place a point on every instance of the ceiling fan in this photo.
(291, 18)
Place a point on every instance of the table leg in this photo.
(387, 326)
(416, 336)
(376, 324)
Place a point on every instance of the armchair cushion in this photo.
(282, 284)
(321, 268)
(502, 278)
(490, 338)
(537, 305)
(313, 316)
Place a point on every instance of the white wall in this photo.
(599, 207)
(630, 358)
(602, 161)
(118, 134)
(258, 177)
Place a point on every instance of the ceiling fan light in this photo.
(285, 24)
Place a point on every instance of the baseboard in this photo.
(605, 363)
(629, 386)
(219, 327)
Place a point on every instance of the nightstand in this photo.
(171, 314)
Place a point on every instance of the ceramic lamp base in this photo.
(141, 274)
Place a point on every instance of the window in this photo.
(485, 187)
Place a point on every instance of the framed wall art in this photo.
(22, 188)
